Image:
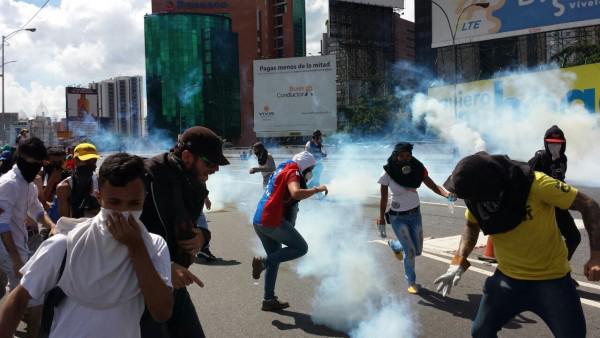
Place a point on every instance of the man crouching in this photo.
(106, 268)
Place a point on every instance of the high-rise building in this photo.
(362, 36)
(6, 121)
(192, 74)
(265, 29)
(404, 39)
(120, 105)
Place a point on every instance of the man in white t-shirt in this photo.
(402, 175)
(112, 266)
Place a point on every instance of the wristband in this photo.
(461, 261)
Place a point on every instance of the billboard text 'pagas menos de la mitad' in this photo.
(294, 96)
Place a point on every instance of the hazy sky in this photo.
(80, 41)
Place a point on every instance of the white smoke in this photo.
(353, 292)
(530, 104)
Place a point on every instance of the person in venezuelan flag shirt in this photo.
(275, 220)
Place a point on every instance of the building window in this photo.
(278, 32)
(278, 21)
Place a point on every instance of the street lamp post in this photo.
(453, 34)
(4, 39)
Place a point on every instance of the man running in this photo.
(266, 164)
(18, 200)
(402, 175)
(176, 195)
(275, 221)
(516, 206)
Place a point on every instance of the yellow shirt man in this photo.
(535, 250)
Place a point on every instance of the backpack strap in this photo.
(52, 299)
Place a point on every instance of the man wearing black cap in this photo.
(516, 207)
(176, 190)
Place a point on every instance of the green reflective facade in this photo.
(299, 22)
(192, 73)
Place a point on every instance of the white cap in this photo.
(304, 160)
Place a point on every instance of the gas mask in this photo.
(554, 149)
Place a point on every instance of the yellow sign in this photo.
(574, 85)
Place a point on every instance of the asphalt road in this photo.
(229, 304)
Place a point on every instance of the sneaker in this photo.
(381, 230)
(398, 254)
(413, 289)
(206, 254)
(274, 305)
(258, 265)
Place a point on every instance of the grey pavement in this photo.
(229, 304)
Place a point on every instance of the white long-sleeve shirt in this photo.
(17, 200)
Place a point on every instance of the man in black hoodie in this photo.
(552, 161)
(176, 190)
(515, 206)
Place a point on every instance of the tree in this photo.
(369, 116)
(576, 55)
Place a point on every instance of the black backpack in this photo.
(52, 299)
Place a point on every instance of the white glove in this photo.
(450, 278)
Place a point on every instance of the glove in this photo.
(447, 280)
(457, 267)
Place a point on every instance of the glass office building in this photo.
(192, 73)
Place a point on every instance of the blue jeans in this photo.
(409, 231)
(272, 240)
(556, 301)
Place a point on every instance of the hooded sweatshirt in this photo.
(542, 160)
(494, 188)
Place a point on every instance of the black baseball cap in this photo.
(202, 141)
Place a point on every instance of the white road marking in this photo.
(489, 273)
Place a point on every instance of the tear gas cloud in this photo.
(354, 292)
(516, 126)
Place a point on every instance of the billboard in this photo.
(477, 102)
(382, 3)
(294, 96)
(504, 18)
(82, 110)
(82, 102)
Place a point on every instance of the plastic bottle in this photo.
(450, 200)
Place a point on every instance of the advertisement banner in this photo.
(82, 102)
(479, 101)
(82, 110)
(295, 96)
(382, 3)
(504, 18)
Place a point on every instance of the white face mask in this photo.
(135, 213)
(554, 149)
